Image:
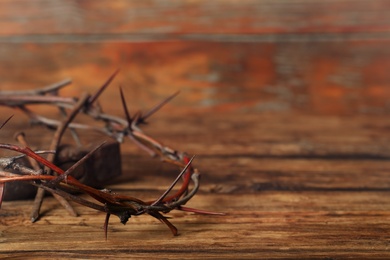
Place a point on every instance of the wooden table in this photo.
(285, 103)
(291, 185)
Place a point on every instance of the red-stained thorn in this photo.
(174, 182)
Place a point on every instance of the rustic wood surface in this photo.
(43, 17)
(320, 77)
(293, 186)
(285, 103)
(327, 57)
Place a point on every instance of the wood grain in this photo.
(196, 17)
(310, 77)
(322, 57)
(285, 104)
(282, 201)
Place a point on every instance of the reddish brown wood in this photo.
(315, 77)
(324, 57)
(24, 17)
(295, 186)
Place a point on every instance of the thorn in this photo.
(71, 169)
(6, 121)
(157, 107)
(200, 211)
(37, 205)
(1, 193)
(95, 96)
(164, 220)
(128, 117)
(106, 225)
(174, 182)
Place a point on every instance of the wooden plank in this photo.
(279, 206)
(315, 77)
(258, 82)
(106, 17)
(276, 228)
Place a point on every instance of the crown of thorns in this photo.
(44, 174)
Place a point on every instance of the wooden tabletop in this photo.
(291, 185)
(284, 103)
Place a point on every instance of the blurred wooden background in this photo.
(285, 102)
(323, 57)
